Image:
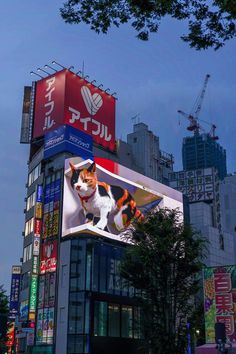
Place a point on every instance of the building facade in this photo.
(145, 148)
(202, 151)
(206, 212)
(72, 298)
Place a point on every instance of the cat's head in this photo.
(84, 181)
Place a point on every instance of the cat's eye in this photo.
(86, 180)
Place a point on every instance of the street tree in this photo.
(163, 264)
(210, 22)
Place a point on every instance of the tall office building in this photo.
(201, 186)
(202, 151)
(147, 154)
(72, 297)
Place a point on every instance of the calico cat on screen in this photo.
(99, 199)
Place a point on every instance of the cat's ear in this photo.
(72, 167)
(92, 168)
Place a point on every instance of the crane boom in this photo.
(201, 97)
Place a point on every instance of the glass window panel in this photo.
(100, 318)
(103, 271)
(126, 322)
(95, 266)
(113, 320)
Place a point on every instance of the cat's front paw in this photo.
(101, 225)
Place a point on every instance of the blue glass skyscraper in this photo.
(202, 151)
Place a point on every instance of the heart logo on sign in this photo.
(92, 102)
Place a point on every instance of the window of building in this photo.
(100, 318)
(113, 320)
(29, 226)
(76, 313)
(30, 201)
(34, 174)
(27, 254)
(126, 322)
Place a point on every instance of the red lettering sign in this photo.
(48, 258)
(224, 303)
(37, 227)
(65, 98)
(222, 282)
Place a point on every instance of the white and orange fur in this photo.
(99, 199)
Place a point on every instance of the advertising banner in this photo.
(26, 121)
(10, 334)
(33, 293)
(39, 327)
(49, 103)
(67, 138)
(41, 291)
(48, 257)
(24, 310)
(51, 209)
(66, 98)
(36, 244)
(220, 300)
(15, 290)
(45, 326)
(37, 227)
(105, 202)
(39, 195)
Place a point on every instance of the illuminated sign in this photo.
(65, 98)
(15, 291)
(98, 200)
(39, 194)
(36, 244)
(45, 326)
(52, 195)
(219, 300)
(33, 293)
(35, 264)
(48, 257)
(67, 138)
(37, 227)
(38, 210)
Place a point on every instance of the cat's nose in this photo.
(77, 188)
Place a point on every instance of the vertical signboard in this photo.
(33, 293)
(220, 300)
(25, 122)
(48, 257)
(51, 208)
(49, 103)
(14, 295)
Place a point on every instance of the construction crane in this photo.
(193, 116)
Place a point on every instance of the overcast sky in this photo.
(153, 79)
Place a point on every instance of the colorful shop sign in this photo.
(220, 300)
(33, 293)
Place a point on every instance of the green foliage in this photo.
(164, 262)
(211, 23)
(3, 300)
(3, 318)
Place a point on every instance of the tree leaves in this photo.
(211, 23)
(164, 262)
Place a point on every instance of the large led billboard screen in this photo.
(66, 98)
(100, 201)
(220, 300)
